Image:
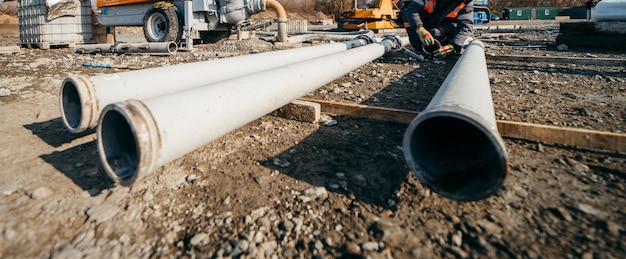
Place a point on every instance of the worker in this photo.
(440, 27)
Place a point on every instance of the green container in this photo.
(535, 13)
(546, 13)
(517, 13)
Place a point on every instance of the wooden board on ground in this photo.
(579, 138)
(9, 49)
(568, 60)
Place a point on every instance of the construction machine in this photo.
(174, 20)
(371, 15)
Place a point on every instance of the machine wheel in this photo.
(213, 36)
(162, 25)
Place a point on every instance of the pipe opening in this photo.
(457, 158)
(171, 47)
(71, 105)
(119, 146)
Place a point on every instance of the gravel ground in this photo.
(279, 188)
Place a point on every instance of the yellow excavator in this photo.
(371, 15)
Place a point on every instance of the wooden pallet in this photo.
(48, 45)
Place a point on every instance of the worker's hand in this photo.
(444, 51)
(425, 37)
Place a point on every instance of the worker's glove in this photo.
(425, 37)
(444, 51)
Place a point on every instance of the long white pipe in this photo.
(135, 137)
(453, 146)
(82, 98)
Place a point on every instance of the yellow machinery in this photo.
(381, 15)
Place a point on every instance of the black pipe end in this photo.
(456, 157)
(118, 150)
(71, 105)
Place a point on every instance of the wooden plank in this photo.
(568, 60)
(10, 49)
(365, 111)
(580, 138)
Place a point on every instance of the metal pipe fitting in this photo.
(82, 98)
(453, 146)
(281, 20)
(135, 137)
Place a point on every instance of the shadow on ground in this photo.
(363, 157)
(54, 133)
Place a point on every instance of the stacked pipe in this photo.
(453, 146)
(82, 98)
(137, 136)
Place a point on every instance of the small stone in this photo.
(563, 214)
(386, 229)
(493, 79)
(41, 193)
(562, 47)
(458, 252)
(286, 225)
(314, 193)
(269, 248)
(588, 209)
(226, 200)
(91, 171)
(4, 92)
(578, 167)
(125, 239)
(488, 226)
(352, 248)
(457, 239)
(148, 196)
(370, 246)
(330, 123)
(540, 147)
(610, 226)
(198, 239)
(535, 91)
(587, 255)
(102, 213)
(191, 177)
(281, 163)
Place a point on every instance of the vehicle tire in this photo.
(162, 25)
(213, 36)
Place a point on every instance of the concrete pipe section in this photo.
(137, 136)
(453, 146)
(164, 48)
(82, 98)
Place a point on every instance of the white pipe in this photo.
(453, 146)
(167, 48)
(91, 48)
(135, 137)
(82, 98)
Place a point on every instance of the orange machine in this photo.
(381, 16)
(103, 3)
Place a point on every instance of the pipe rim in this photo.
(127, 141)
(497, 175)
(76, 103)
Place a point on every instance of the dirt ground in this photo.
(278, 188)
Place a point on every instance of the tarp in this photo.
(58, 8)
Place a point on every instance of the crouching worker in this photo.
(440, 27)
